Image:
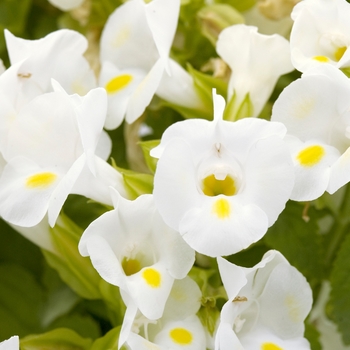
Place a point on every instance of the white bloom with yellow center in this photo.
(135, 45)
(178, 328)
(54, 147)
(131, 247)
(316, 112)
(256, 61)
(222, 184)
(267, 306)
(320, 34)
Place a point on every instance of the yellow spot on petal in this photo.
(213, 187)
(293, 308)
(311, 155)
(42, 180)
(152, 277)
(222, 208)
(322, 59)
(181, 336)
(118, 83)
(122, 36)
(131, 266)
(270, 346)
(339, 53)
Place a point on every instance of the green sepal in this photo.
(189, 113)
(146, 147)
(216, 17)
(244, 110)
(204, 84)
(346, 71)
(75, 270)
(209, 314)
(135, 183)
(58, 339)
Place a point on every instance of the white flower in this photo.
(34, 63)
(10, 344)
(256, 61)
(55, 141)
(135, 46)
(320, 34)
(178, 328)
(222, 184)
(267, 306)
(316, 112)
(131, 247)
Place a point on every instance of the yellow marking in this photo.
(122, 36)
(131, 266)
(181, 336)
(322, 59)
(311, 155)
(42, 180)
(118, 83)
(339, 53)
(24, 75)
(293, 308)
(270, 346)
(152, 277)
(222, 208)
(239, 299)
(213, 187)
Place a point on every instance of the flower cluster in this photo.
(217, 179)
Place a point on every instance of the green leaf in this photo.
(299, 241)
(108, 342)
(75, 270)
(147, 146)
(312, 335)
(58, 339)
(339, 304)
(21, 300)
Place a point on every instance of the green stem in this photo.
(340, 227)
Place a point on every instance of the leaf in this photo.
(339, 304)
(312, 335)
(108, 342)
(75, 270)
(58, 339)
(21, 300)
(299, 241)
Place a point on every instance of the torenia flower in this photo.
(34, 63)
(320, 34)
(222, 184)
(316, 112)
(135, 46)
(10, 344)
(256, 61)
(131, 247)
(178, 328)
(66, 5)
(267, 306)
(55, 141)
